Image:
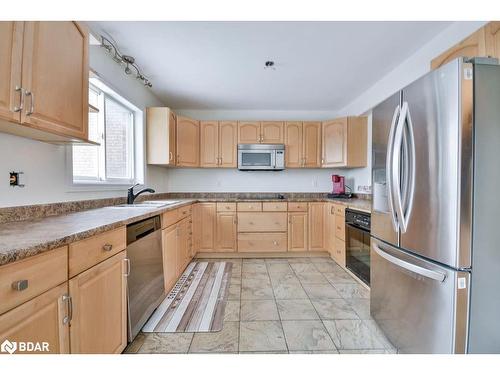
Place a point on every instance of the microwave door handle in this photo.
(273, 159)
(388, 167)
(434, 275)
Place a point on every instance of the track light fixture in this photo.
(125, 60)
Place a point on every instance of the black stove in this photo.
(357, 243)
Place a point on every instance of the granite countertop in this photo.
(22, 239)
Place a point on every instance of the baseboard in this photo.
(284, 254)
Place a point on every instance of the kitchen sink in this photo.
(147, 204)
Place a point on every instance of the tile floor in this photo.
(294, 305)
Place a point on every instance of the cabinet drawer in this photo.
(339, 210)
(274, 206)
(262, 222)
(256, 242)
(297, 206)
(33, 276)
(340, 252)
(340, 227)
(249, 206)
(226, 206)
(169, 218)
(87, 253)
(184, 212)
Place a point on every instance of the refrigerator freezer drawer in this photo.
(421, 307)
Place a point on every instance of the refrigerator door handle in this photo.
(410, 190)
(434, 275)
(396, 165)
(388, 167)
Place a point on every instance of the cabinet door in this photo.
(334, 142)
(184, 246)
(55, 75)
(249, 132)
(11, 40)
(209, 144)
(293, 144)
(316, 226)
(169, 248)
(297, 231)
(99, 323)
(492, 30)
(311, 149)
(272, 132)
(226, 231)
(228, 141)
(41, 319)
(206, 226)
(188, 142)
(160, 136)
(330, 229)
(473, 45)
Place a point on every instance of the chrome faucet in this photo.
(131, 196)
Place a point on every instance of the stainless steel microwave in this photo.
(258, 157)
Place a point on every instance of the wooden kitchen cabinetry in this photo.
(330, 229)
(260, 132)
(344, 142)
(218, 144)
(226, 238)
(482, 43)
(99, 300)
(204, 225)
(161, 140)
(317, 214)
(188, 142)
(293, 144)
(338, 234)
(297, 231)
(44, 80)
(311, 144)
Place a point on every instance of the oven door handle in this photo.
(352, 225)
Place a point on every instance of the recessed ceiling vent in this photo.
(269, 65)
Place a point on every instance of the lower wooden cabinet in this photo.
(42, 319)
(204, 226)
(317, 215)
(99, 308)
(169, 246)
(330, 229)
(297, 231)
(226, 232)
(262, 242)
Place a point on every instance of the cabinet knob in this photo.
(107, 247)
(20, 285)
(275, 243)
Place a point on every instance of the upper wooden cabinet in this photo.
(483, 42)
(344, 142)
(293, 144)
(311, 146)
(161, 149)
(272, 132)
(248, 132)
(261, 132)
(218, 144)
(47, 89)
(188, 142)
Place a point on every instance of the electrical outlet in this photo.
(315, 182)
(365, 188)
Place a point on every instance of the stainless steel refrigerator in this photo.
(435, 247)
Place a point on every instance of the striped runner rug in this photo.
(197, 301)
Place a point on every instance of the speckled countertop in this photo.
(22, 239)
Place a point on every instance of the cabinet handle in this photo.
(322, 161)
(107, 247)
(127, 260)
(32, 104)
(21, 99)
(67, 298)
(170, 156)
(275, 243)
(20, 285)
(332, 210)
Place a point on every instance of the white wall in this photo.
(44, 165)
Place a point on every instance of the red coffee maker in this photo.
(339, 187)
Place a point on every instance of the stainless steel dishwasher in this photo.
(145, 283)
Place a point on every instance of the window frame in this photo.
(136, 143)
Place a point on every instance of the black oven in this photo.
(357, 243)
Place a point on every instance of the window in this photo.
(112, 124)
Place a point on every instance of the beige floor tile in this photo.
(276, 260)
(333, 351)
(255, 275)
(290, 289)
(379, 334)
(321, 260)
(351, 290)
(234, 293)
(232, 311)
(278, 277)
(259, 310)
(253, 260)
(163, 343)
(311, 278)
(296, 309)
(135, 345)
(334, 308)
(279, 268)
(315, 291)
(307, 335)
(299, 268)
(254, 268)
(367, 351)
(262, 337)
(299, 260)
(256, 289)
(224, 341)
(341, 278)
(352, 334)
(235, 281)
(361, 306)
(326, 267)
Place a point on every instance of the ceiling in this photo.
(220, 65)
